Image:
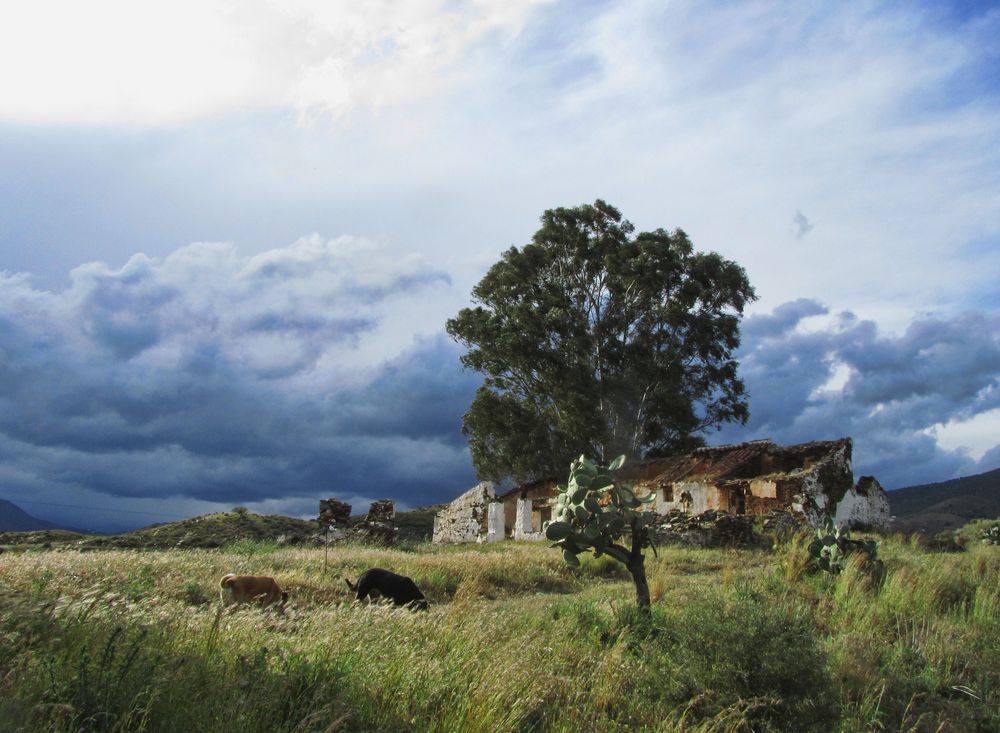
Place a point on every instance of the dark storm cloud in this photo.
(419, 394)
(208, 379)
(784, 318)
(120, 310)
(990, 459)
(218, 378)
(898, 389)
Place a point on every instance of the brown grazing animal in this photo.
(378, 582)
(261, 589)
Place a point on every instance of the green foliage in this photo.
(974, 532)
(991, 535)
(194, 594)
(140, 582)
(833, 546)
(101, 673)
(592, 512)
(209, 530)
(590, 313)
(750, 642)
(248, 548)
(40, 582)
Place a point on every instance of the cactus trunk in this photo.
(637, 567)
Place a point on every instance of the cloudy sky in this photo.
(231, 232)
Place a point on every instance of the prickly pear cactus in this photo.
(833, 545)
(991, 535)
(592, 511)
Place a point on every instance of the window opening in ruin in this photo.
(668, 492)
(686, 501)
(738, 501)
(539, 517)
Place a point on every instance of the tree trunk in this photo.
(637, 568)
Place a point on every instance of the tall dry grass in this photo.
(514, 641)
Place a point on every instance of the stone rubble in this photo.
(379, 526)
(717, 528)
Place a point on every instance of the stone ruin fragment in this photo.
(378, 526)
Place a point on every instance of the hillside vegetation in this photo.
(738, 640)
(947, 504)
(214, 530)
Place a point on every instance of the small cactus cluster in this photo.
(833, 545)
(991, 535)
(592, 511)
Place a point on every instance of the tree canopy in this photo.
(596, 340)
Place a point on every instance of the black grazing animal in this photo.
(378, 582)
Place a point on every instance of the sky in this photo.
(231, 233)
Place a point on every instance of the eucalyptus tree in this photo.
(599, 340)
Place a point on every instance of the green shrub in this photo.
(991, 535)
(194, 595)
(594, 513)
(140, 582)
(976, 532)
(747, 644)
(249, 548)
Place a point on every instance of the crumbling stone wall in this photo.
(716, 528)
(865, 505)
(495, 525)
(713, 528)
(525, 525)
(835, 475)
(334, 512)
(466, 519)
(379, 525)
(770, 493)
(541, 494)
(335, 515)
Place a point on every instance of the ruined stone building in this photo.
(470, 517)
(815, 479)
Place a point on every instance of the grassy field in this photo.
(515, 641)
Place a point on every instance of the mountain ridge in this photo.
(14, 519)
(945, 505)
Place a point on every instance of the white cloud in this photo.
(722, 119)
(977, 434)
(121, 62)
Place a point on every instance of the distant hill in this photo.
(947, 504)
(14, 519)
(212, 530)
(416, 525)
